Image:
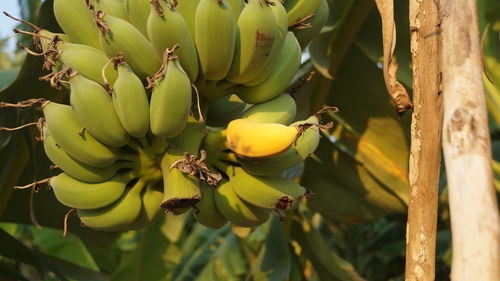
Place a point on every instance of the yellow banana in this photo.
(221, 111)
(67, 132)
(236, 210)
(119, 36)
(82, 195)
(237, 6)
(151, 210)
(75, 19)
(87, 61)
(187, 8)
(283, 72)
(305, 145)
(181, 188)
(94, 108)
(271, 192)
(166, 28)
(281, 33)
(75, 168)
(249, 139)
(138, 13)
(206, 211)
(171, 99)
(257, 31)
(305, 35)
(215, 38)
(116, 8)
(131, 102)
(119, 215)
(281, 109)
(299, 9)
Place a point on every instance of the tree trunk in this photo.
(425, 152)
(474, 213)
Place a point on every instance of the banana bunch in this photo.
(175, 106)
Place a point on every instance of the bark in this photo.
(425, 149)
(474, 213)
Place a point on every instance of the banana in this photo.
(305, 145)
(119, 215)
(94, 108)
(166, 28)
(283, 72)
(257, 31)
(299, 9)
(67, 132)
(249, 139)
(181, 189)
(271, 192)
(237, 7)
(45, 42)
(75, 19)
(305, 35)
(82, 195)
(131, 102)
(138, 13)
(75, 168)
(281, 33)
(171, 99)
(116, 8)
(87, 61)
(215, 31)
(119, 36)
(206, 211)
(237, 211)
(151, 210)
(281, 109)
(187, 8)
(221, 111)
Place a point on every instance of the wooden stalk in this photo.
(475, 220)
(425, 151)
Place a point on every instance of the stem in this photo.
(425, 149)
(475, 220)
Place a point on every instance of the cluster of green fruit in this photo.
(132, 67)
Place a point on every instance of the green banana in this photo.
(67, 132)
(257, 32)
(82, 195)
(237, 7)
(138, 13)
(73, 167)
(187, 8)
(166, 28)
(284, 71)
(236, 210)
(206, 211)
(44, 36)
(75, 19)
(131, 102)
(305, 35)
(305, 145)
(181, 189)
(281, 33)
(119, 215)
(271, 192)
(87, 61)
(221, 111)
(94, 108)
(119, 36)
(215, 38)
(300, 9)
(116, 8)
(151, 210)
(171, 99)
(281, 109)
